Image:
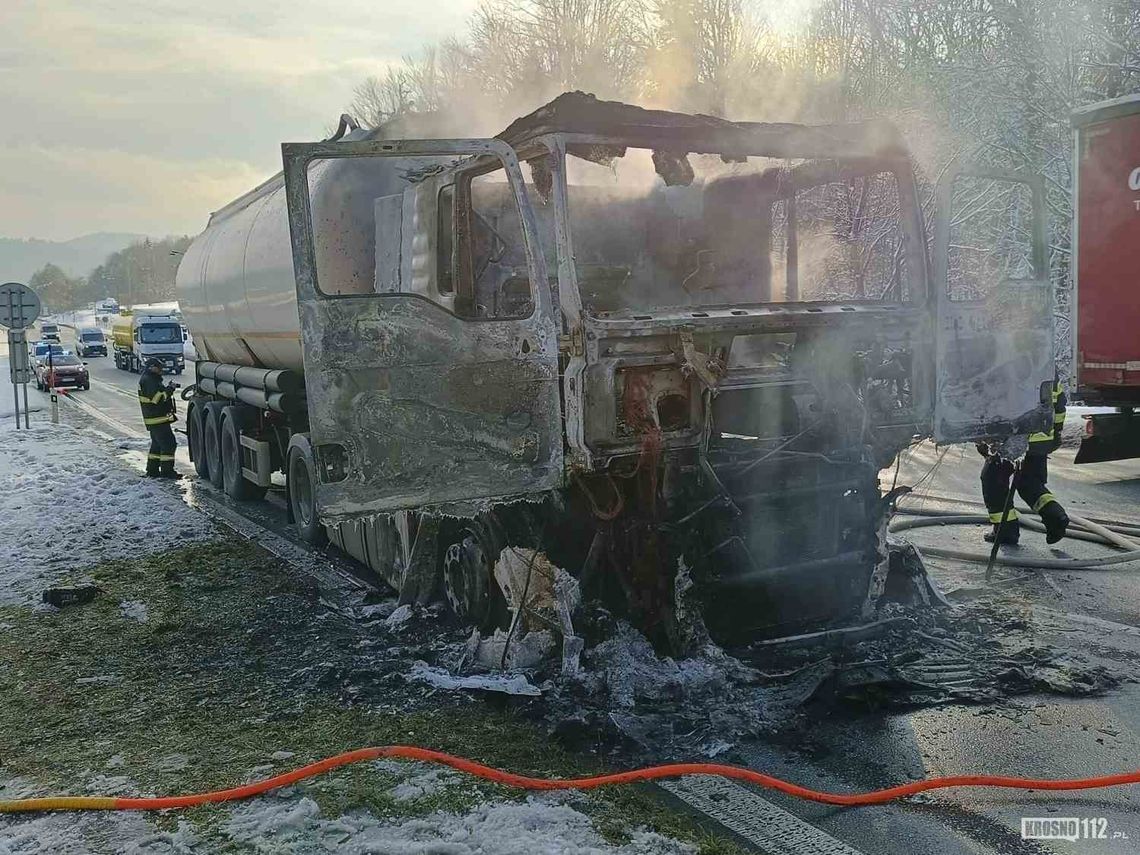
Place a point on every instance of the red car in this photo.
(64, 370)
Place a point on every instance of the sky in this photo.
(146, 115)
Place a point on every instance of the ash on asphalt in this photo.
(629, 700)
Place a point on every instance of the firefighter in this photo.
(1031, 483)
(157, 401)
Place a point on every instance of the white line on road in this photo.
(774, 830)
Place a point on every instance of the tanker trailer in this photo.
(1106, 299)
(652, 346)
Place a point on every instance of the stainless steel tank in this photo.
(235, 283)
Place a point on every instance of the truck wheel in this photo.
(212, 434)
(469, 550)
(237, 486)
(196, 435)
(301, 475)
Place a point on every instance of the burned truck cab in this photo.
(672, 352)
(749, 343)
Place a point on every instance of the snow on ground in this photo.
(7, 405)
(134, 609)
(541, 824)
(286, 823)
(67, 503)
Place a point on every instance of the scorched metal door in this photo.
(995, 361)
(411, 405)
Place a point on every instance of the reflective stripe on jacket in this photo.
(1059, 404)
(155, 401)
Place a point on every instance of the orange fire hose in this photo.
(510, 779)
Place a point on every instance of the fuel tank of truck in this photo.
(235, 284)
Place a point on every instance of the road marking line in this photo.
(110, 421)
(774, 830)
(100, 382)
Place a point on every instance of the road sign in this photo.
(19, 365)
(19, 305)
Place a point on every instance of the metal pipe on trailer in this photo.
(268, 379)
(211, 381)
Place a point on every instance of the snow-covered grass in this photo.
(285, 824)
(245, 668)
(537, 825)
(67, 503)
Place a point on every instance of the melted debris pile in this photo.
(973, 654)
(620, 691)
(625, 691)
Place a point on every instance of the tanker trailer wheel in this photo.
(470, 549)
(236, 485)
(212, 434)
(301, 475)
(196, 434)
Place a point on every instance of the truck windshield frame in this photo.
(698, 231)
(560, 149)
(149, 333)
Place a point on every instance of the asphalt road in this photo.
(1093, 613)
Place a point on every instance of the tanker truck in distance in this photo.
(137, 337)
(659, 348)
(1106, 275)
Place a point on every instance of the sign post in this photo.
(19, 308)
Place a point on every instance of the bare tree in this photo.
(993, 80)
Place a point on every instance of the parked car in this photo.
(49, 332)
(89, 341)
(64, 370)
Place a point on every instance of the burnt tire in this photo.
(235, 484)
(469, 550)
(196, 436)
(301, 475)
(212, 443)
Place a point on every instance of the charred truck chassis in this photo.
(629, 444)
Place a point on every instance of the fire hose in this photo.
(1083, 529)
(525, 782)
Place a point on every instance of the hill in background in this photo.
(19, 259)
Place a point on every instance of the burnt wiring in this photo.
(619, 500)
(753, 464)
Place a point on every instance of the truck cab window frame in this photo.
(453, 263)
(445, 240)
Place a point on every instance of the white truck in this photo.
(137, 337)
(654, 346)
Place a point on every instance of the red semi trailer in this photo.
(1106, 275)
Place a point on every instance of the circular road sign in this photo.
(19, 305)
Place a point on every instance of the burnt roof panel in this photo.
(581, 113)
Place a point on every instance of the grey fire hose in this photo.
(1080, 529)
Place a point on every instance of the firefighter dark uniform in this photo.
(1032, 483)
(157, 403)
